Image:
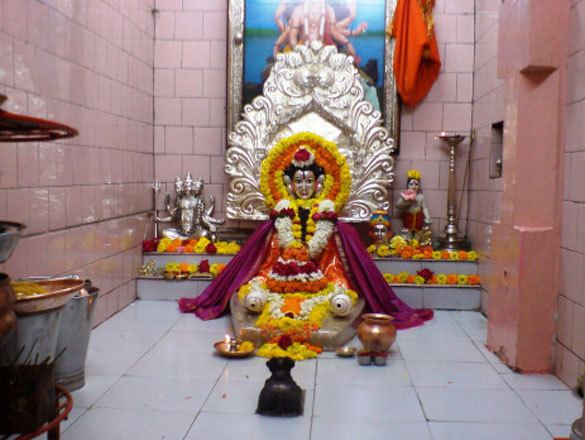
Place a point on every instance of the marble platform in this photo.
(334, 333)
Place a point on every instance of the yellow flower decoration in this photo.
(414, 174)
(419, 280)
(402, 277)
(337, 184)
(389, 278)
(441, 278)
(472, 255)
(383, 251)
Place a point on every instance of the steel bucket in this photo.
(74, 335)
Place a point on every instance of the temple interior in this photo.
(292, 219)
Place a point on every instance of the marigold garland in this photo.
(337, 183)
(409, 252)
(440, 279)
(193, 246)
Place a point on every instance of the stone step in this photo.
(439, 297)
(397, 265)
(431, 297)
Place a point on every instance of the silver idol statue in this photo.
(188, 210)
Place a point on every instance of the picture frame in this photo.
(250, 45)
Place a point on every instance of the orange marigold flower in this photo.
(452, 278)
(406, 254)
(184, 267)
(462, 255)
(411, 279)
(473, 280)
(445, 255)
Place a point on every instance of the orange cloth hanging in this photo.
(416, 57)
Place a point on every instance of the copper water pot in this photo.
(376, 332)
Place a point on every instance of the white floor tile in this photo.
(241, 397)
(563, 431)
(339, 429)
(95, 387)
(441, 327)
(103, 338)
(110, 362)
(440, 350)
(191, 323)
(534, 382)
(454, 374)
(488, 431)
(344, 371)
(477, 405)
(553, 407)
(216, 426)
(255, 369)
(117, 424)
(144, 315)
(73, 416)
(172, 393)
(157, 363)
(375, 402)
(199, 342)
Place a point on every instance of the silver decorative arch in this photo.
(313, 88)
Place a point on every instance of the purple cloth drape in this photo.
(214, 300)
(371, 285)
(367, 279)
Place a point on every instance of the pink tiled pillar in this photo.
(526, 240)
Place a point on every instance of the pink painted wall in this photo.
(190, 77)
(87, 63)
(488, 108)
(570, 348)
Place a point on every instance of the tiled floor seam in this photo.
(205, 401)
(122, 375)
(314, 399)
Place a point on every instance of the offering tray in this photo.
(60, 291)
(9, 236)
(224, 350)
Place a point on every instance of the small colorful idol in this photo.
(412, 204)
(380, 227)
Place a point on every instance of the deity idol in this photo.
(292, 266)
(412, 204)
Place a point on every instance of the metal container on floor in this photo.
(35, 338)
(74, 333)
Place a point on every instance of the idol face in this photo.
(413, 185)
(304, 184)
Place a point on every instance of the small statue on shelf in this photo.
(380, 227)
(189, 211)
(413, 206)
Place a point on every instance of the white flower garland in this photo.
(323, 230)
(283, 225)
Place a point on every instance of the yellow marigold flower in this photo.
(246, 346)
(193, 268)
(161, 247)
(389, 278)
(441, 278)
(436, 255)
(372, 248)
(462, 279)
(383, 251)
(454, 255)
(472, 255)
(414, 243)
(419, 280)
(402, 277)
(417, 256)
(397, 240)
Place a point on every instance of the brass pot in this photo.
(7, 316)
(376, 332)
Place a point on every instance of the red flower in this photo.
(204, 266)
(285, 341)
(302, 155)
(426, 273)
(149, 245)
(211, 248)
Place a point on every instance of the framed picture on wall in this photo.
(260, 29)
